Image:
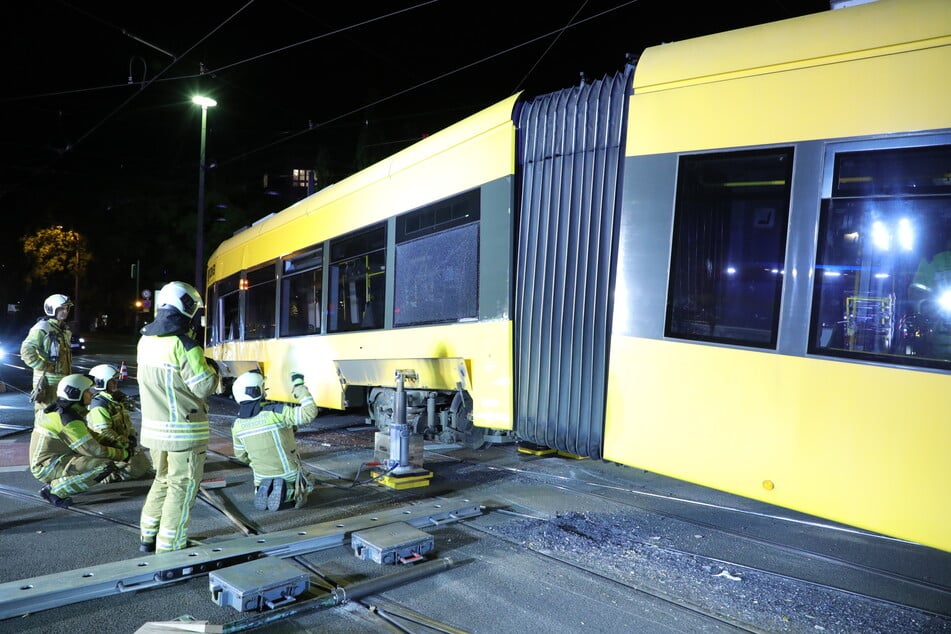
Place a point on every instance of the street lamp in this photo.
(205, 103)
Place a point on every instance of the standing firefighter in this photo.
(263, 437)
(174, 380)
(46, 350)
(62, 451)
(110, 423)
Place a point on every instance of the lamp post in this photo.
(205, 103)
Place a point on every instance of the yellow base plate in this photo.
(573, 456)
(403, 482)
(536, 450)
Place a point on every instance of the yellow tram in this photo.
(722, 264)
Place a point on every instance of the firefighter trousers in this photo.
(167, 511)
(73, 475)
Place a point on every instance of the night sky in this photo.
(98, 125)
(297, 78)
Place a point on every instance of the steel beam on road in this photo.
(63, 588)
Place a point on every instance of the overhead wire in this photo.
(314, 126)
(160, 73)
(311, 128)
(215, 70)
(71, 146)
(551, 45)
(322, 36)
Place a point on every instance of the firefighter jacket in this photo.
(61, 435)
(109, 420)
(263, 436)
(174, 380)
(46, 350)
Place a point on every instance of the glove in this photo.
(133, 443)
(297, 379)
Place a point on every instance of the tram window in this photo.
(446, 214)
(729, 247)
(301, 294)
(437, 262)
(883, 264)
(357, 281)
(260, 304)
(226, 322)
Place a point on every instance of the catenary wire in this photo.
(399, 93)
(310, 128)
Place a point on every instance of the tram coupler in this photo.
(400, 471)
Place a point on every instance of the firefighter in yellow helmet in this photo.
(174, 380)
(46, 350)
(263, 437)
(62, 451)
(110, 423)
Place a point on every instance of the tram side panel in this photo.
(430, 228)
(713, 391)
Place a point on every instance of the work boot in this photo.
(146, 547)
(261, 495)
(275, 500)
(47, 494)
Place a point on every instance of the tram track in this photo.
(576, 485)
(390, 614)
(651, 594)
(388, 617)
(612, 494)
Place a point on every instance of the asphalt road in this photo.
(556, 545)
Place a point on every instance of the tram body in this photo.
(708, 266)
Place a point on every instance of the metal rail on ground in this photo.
(63, 588)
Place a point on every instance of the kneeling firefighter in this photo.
(263, 437)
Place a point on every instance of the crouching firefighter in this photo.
(110, 423)
(263, 437)
(63, 453)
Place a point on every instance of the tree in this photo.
(57, 251)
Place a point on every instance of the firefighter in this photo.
(263, 437)
(174, 380)
(46, 350)
(63, 453)
(110, 423)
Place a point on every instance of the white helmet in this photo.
(248, 387)
(180, 296)
(54, 302)
(73, 386)
(102, 374)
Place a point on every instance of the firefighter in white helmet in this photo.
(263, 437)
(63, 453)
(46, 350)
(174, 380)
(110, 423)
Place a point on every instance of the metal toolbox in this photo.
(392, 543)
(265, 582)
